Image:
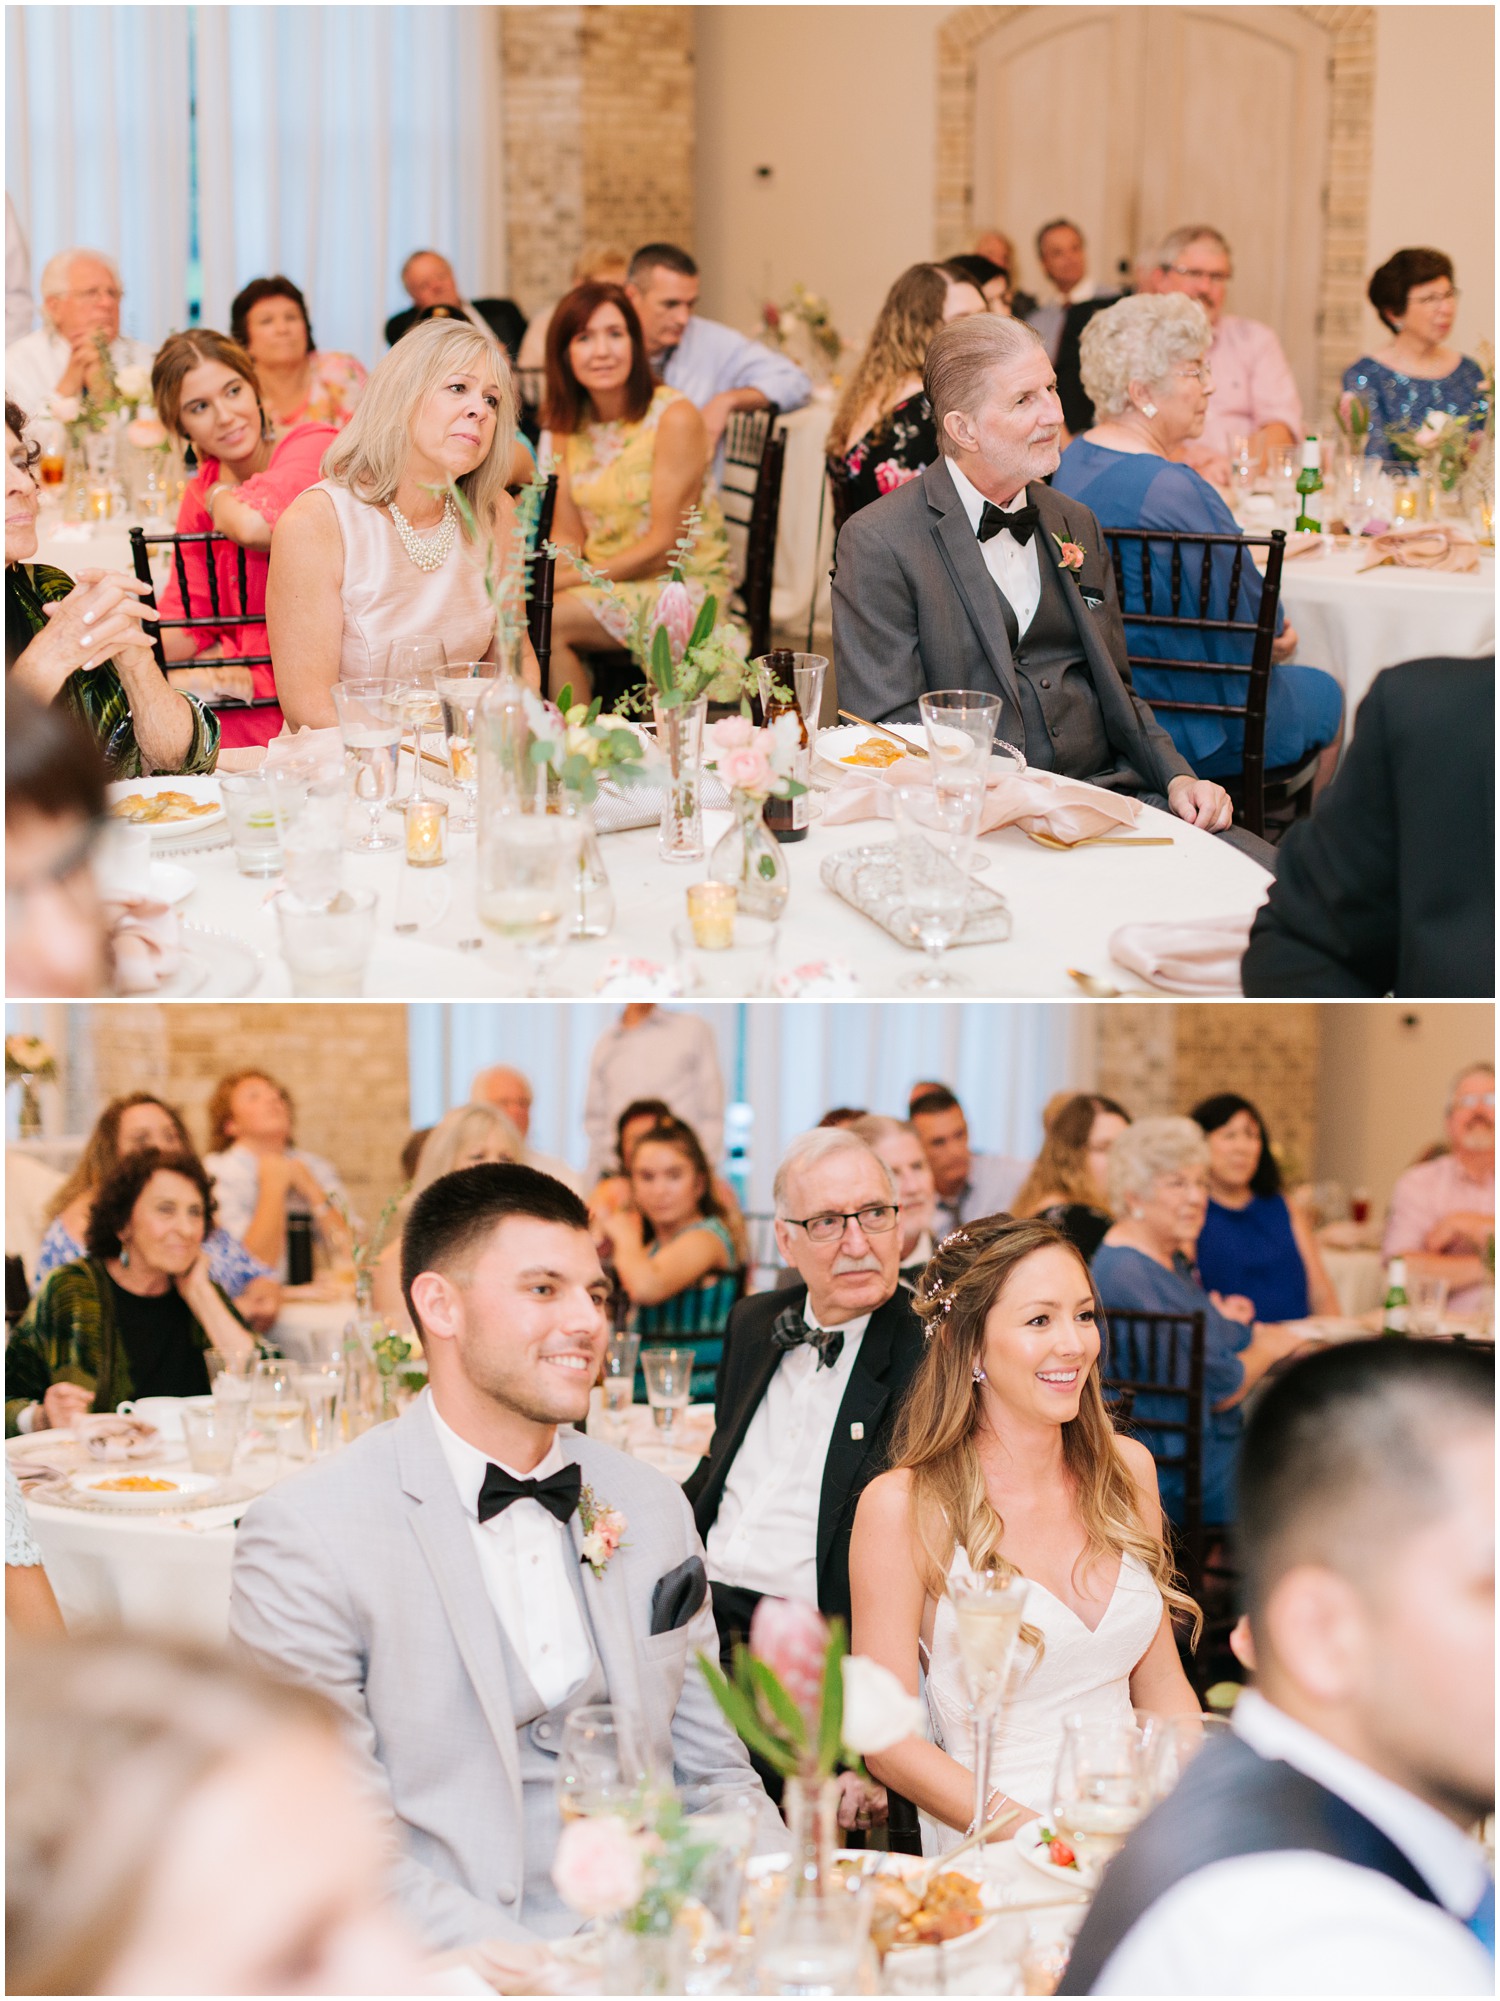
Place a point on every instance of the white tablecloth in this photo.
(95, 545)
(1064, 907)
(1354, 625)
(1357, 1276)
(803, 558)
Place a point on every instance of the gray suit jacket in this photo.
(360, 1577)
(914, 608)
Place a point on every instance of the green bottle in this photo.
(1394, 1316)
(1309, 482)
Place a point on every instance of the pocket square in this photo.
(678, 1596)
(1093, 599)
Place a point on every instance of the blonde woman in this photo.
(1068, 1182)
(377, 550)
(1004, 1458)
(465, 1137)
(882, 433)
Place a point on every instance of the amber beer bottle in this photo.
(788, 819)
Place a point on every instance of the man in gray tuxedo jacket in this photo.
(435, 1579)
(957, 580)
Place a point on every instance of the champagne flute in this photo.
(987, 1609)
(1101, 1789)
(669, 1386)
(412, 668)
(370, 723)
(277, 1402)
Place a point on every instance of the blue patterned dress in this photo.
(1400, 402)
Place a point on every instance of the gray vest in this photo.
(1059, 705)
(539, 1733)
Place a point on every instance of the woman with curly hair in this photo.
(882, 433)
(134, 1316)
(1004, 1458)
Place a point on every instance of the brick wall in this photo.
(599, 124)
(344, 1066)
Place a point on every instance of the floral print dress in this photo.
(336, 385)
(609, 470)
(895, 449)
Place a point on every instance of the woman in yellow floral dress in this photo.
(632, 462)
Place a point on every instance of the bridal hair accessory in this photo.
(955, 1237)
(428, 552)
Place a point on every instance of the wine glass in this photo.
(459, 691)
(1360, 476)
(1281, 474)
(987, 1609)
(412, 669)
(527, 865)
(1101, 1789)
(370, 723)
(619, 1384)
(276, 1402)
(599, 1766)
(669, 1386)
(935, 882)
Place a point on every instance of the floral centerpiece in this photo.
(755, 765)
(1443, 446)
(803, 321)
(29, 1061)
(1351, 414)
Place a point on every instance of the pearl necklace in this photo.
(428, 552)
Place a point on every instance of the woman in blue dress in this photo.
(1253, 1246)
(1158, 1187)
(1417, 371)
(1145, 368)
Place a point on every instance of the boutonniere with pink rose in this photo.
(603, 1530)
(1069, 555)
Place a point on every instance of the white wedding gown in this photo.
(1079, 1673)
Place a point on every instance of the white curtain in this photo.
(334, 141)
(788, 1062)
(97, 146)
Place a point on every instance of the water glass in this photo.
(370, 719)
(326, 946)
(1101, 1789)
(814, 1945)
(252, 822)
(1429, 1300)
(320, 1392)
(935, 883)
(527, 864)
(1169, 1745)
(213, 1435)
(1360, 493)
(599, 1763)
(619, 1366)
(310, 815)
(960, 727)
(459, 691)
(276, 1404)
(1282, 467)
(669, 1386)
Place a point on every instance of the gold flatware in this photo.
(1095, 988)
(1102, 841)
(911, 749)
(918, 1883)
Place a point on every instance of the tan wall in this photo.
(344, 1066)
(1383, 1081)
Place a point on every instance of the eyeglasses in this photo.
(1198, 371)
(828, 1227)
(1448, 298)
(109, 294)
(1484, 1099)
(1204, 277)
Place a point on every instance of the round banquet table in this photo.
(1064, 907)
(1354, 624)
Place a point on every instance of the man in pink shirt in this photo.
(1442, 1211)
(1254, 393)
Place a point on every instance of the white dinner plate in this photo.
(182, 1485)
(213, 960)
(877, 1862)
(170, 882)
(202, 789)
(836, 743)
(1031, 1847)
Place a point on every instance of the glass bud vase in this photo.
(812, 1816)
(593, 912)
(749, 856)
(679, 732)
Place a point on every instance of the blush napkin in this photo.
(1201, 958)
(145, 941)
(1039, 802)
(1436, 547)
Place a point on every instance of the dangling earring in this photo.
(125, 1256)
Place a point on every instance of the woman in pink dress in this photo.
(301, 383)
(206, 392)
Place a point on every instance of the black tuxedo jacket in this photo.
(504, 318)
(1389, 888)
(887, 1359)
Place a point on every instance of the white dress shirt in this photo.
(34, 366)
(1012, 564)
(670, 1055)
(1297, 1922)
(20, 308)
(525, 1555)
(765, 1536)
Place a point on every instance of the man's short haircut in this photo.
(1344, 1452)
(821, 1144)
(1057, 222)
(423, 253)
(940, 1099)
(961, 360)
(449, 1221)
(658, 257)
(1172, 247)
(1479, 1069)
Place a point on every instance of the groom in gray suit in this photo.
(965, 578)
(438, 1580)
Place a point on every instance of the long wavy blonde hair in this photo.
(896, 350)
(936, 1435)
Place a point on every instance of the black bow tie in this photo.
(791, 1330)
(558, 1492)
(1020, 521)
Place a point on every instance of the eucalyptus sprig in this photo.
(509, 590)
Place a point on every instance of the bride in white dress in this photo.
(1005, 1458)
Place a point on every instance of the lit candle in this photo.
(426, 820)
(711, 914)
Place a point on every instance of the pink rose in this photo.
(610, 1528)
(732, 732)
(598, 1867)
(856, 458)
(889, 474)
(746, 770)
(674, 610)
(1069, 556)
(791, 1637)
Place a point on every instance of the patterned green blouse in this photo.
(693, 1318)
(69, 1336)
(96, 695)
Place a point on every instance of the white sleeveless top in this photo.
(1079, 1673)
(386, 597)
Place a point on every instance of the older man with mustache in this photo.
(977, 575)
